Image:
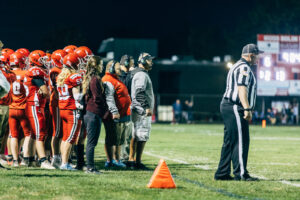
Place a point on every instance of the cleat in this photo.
(141, 166)
(56, 162)
(108, 165)
(15, 163)
(224, 178)
(119, 164)
(46, 165)
(67, 167)
(92, 171)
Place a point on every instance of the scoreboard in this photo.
(278, 69)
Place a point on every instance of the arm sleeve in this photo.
(110, 99)
(243, 75)
(38, 82)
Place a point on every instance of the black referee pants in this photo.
(236, 141)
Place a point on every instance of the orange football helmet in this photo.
(83, 52)
(36, 58)
(70, 48)
(71, 60)
(4, 59)
(17, 59)
(23, 51)
(57, 57)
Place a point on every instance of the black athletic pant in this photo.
(236, 141)
(93, 126)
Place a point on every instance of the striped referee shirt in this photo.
(241, 74)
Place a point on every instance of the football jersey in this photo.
(34, 98)
(66, 99)
(18, 90)
(54, 72)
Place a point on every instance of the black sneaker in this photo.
(141, 166)
(92, 171)
(246, 177)
(224, 178)
(3, 168)
(130, 164)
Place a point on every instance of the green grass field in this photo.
(192, 153)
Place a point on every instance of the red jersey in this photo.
(34, 98)
(66, 99)
(18, 91)
(54, 72)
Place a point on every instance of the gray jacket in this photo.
(141, 92)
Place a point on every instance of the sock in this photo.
(43, 159)
(31, 159)
(56, 157)
(26, 158)
(80, 155)
(9, 157)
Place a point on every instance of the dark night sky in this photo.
(45, 25)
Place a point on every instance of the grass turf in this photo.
(192, 153)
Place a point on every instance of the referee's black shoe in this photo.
(3, 168)
(224, 178)
(245, 177)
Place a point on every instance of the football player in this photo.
(68, 86)
(17, 117)
(36, 81)
(57, 58)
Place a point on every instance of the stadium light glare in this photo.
(267, 61)
(267, 75)
(229, 65)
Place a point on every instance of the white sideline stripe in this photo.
(290, 183)
(206, 167)
(277, 138)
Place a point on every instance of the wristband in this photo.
(247, 109)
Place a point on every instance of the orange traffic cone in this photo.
(264, 123)
(161, 177)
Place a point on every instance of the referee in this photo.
(236, 107)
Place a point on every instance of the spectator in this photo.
(96, 108)
(116, 127)
(295, 113)
(177, 110)
(270, 117)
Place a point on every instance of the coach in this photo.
(142, 106)
(236, 109)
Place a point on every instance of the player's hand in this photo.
(247, 115)
(116, 116)
(148, 112)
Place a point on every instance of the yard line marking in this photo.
(277, 138)
(206, 167)
(212, 189)
(290, 183)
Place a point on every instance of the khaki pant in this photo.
(126, 146)
(3, 127)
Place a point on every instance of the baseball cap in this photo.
(251, 48)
